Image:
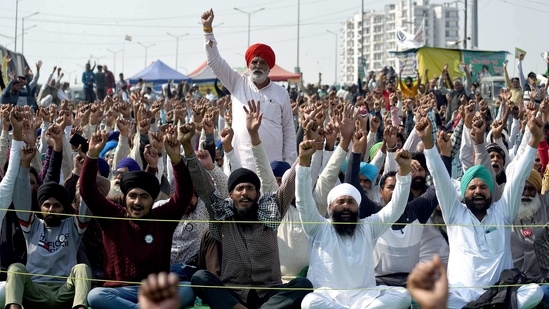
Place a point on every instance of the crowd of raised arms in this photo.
(384, 194)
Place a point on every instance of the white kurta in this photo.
(341, 267)
(277, 129)
(479, 250)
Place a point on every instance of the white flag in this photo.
(406, 40)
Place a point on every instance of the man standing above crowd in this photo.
(88, 79)
(278, 128)
(110, 83)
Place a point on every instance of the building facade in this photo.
(372, 36)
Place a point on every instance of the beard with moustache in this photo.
(528, 207)
(53, 220)
(246, 214)
(259, 76)
(478, 208)
(418, 183)
(349, 224)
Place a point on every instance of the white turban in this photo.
(344, 189)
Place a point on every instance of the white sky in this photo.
(69, 32)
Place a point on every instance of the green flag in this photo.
(519, 51)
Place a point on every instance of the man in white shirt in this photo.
(341, 258)
(479, 230)
(278, 128)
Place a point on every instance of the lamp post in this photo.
(177, 37)
(23, 29)
(146, 48)
(249, 18)
(114, 55)
(16, 20)
(335, 56)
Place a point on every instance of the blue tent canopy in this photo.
(158, 73)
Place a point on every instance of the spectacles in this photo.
(118, 173)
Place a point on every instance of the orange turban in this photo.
(263, 51)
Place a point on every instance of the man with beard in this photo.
(52, 246)
(246, 225)
(278, 129)
(478, 230)
(139, 242)
(497, 161)
(343, 244)
(531, 216)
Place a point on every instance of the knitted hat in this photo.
(243, 175)
(495, 147)
(142, 180)
(55, 190)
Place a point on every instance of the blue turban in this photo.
(366, 169)
(477, 171)
(130, 163)
(103, 167)
(279, 167)
(108, 147)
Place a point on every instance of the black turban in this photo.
(57, 191)
(142, 180)
(243, 175)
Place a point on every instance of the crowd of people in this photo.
(383, 194)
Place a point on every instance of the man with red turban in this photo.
(278, 125)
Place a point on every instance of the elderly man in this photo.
(135, 248)
(531, 216)
(478, 230)
(343, 244)
(278, 129)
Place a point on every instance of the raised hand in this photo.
(306, 151)
(428, 284)
(159, 292)
(205, 158)
(97, 142)
(151, 156)
(155, 139)
(424, 129)
(207, 19)
(27, 154)
(123, 126)
(359, 141)
(186, 133)
(535, 125)
(227, 135)
(253, 116)
(404, 159)
(172, 145)
(375, 122)
(478, 129)
(444, 144)
(390, 137)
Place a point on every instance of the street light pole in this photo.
(16, 20)
(177, 37)
(465, 30)
(249, 19)
(23, 29)
(335, 55)
(114, 55)
(146, 48)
